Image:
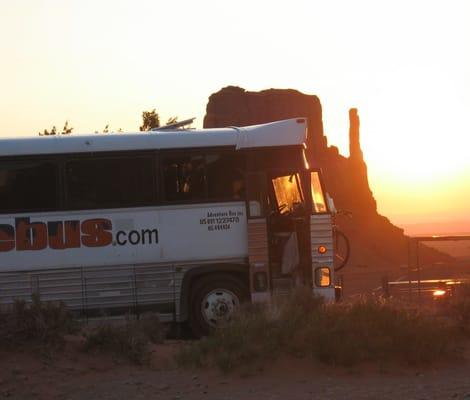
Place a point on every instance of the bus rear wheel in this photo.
(213, 302)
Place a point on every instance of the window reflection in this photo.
(288, 193)
(319, 204)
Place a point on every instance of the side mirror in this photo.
(331, 204)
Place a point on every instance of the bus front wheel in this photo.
(213, 302)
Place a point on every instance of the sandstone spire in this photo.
(355, 152)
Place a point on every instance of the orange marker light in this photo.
(322, 249)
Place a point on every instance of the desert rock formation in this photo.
(376, 242)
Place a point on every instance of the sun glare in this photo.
(415, 135)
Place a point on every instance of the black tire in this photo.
(221, 287)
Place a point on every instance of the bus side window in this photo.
(257, 196)
(184, 178)
(225, 176)
(114, 182)
(28, 186)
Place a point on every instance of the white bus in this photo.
(186, 223)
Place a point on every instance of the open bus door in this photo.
(291, 235)
(278, 233)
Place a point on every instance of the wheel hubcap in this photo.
(218, 306)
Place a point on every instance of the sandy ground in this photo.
(74, 375)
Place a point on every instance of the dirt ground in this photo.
(74, 375)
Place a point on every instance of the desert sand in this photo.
(72, 374)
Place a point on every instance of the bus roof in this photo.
(280, 133)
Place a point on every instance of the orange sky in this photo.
(404, 64)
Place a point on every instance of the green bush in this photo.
(338, 334)
(43, 323)
(130, 340)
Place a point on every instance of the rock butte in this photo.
(376, 242)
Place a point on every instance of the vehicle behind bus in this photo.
(188, 224)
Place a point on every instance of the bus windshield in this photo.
(319, 204)
(288, 193)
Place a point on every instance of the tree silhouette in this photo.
(107, 130)
(66, 130)
(150, 120)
